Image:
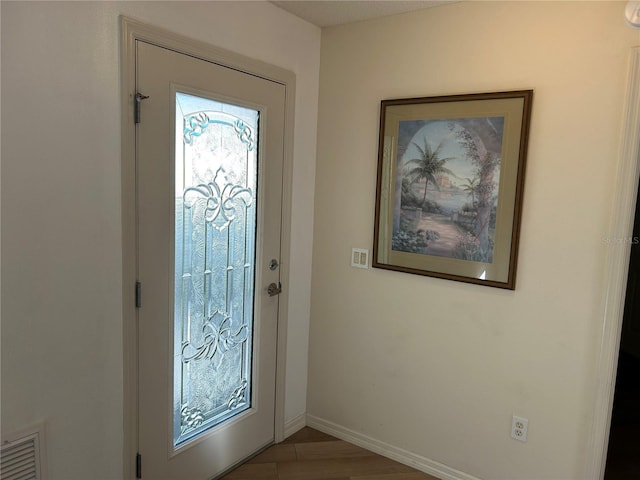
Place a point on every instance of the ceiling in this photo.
(326, 13)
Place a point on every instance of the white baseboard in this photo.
(398, 454)
(295, 424)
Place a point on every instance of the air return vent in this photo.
(20, 456)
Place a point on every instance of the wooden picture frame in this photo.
(450, 185)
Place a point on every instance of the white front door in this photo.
(209, 189)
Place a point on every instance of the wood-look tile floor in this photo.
(313, 455)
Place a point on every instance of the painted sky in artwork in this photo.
(436, 131)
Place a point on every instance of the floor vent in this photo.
(20, 457)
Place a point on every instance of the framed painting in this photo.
(450, 186)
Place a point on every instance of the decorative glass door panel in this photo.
(215, 249)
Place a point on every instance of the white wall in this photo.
(437, 367)
(61, 224)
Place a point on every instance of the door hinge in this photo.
(136, 106)
(138, 295)
(138, 465)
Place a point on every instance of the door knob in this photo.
(274, 289)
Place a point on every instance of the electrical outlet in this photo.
(519, 428)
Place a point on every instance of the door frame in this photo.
(616, 269)
(131, 31)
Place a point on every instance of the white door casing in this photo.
(615, 282)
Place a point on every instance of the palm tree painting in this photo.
(427, 166)
(450, 175)
(471, 187)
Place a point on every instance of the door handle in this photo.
(274, 289)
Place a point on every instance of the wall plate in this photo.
(360, 257)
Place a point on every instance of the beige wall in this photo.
(437, 367)
(62, 353)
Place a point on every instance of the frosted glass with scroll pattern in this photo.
(215, 250)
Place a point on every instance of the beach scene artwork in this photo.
(447, 184)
